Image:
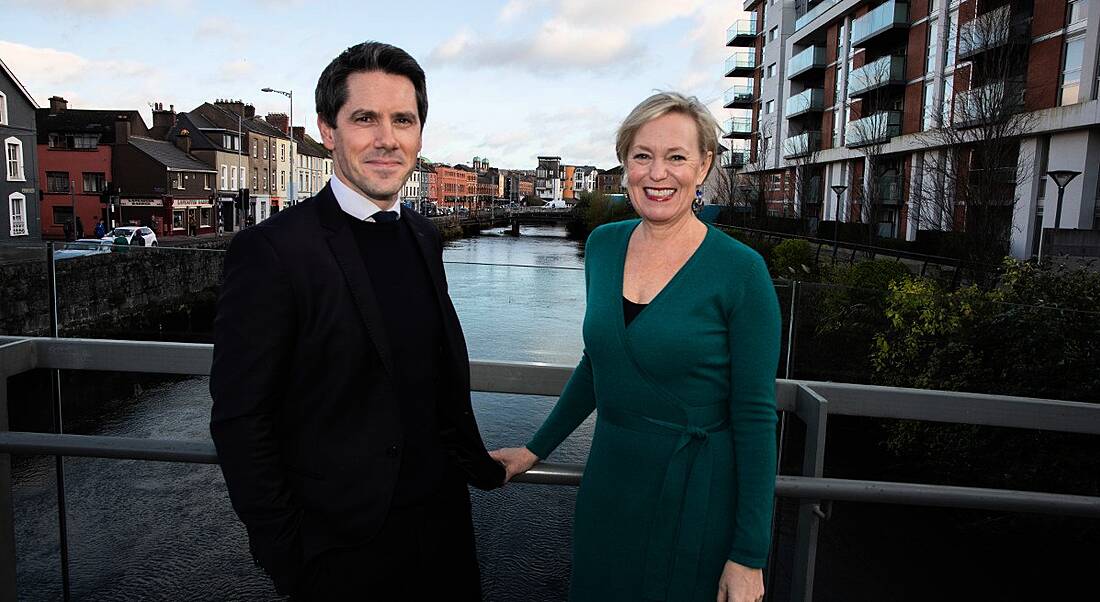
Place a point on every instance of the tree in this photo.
(801, 153)
(970, 179)
(533, 201)
(751, 183)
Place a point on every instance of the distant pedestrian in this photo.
(67, 228)
(79, 227)
(192, 227)
(100, 228)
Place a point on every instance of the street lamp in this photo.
(290, 130)
(1062, 178)
(839, 190)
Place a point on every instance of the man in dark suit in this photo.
(340, 381)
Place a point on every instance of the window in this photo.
(177, 219)
(952, 36)
(57, 181)
(282, 180)
(1071, 71)
(73, 141)
(94, 182)
(204, 216)
(765, 19)
(255, 177)
(772, 33)
(948, 99)
(928, 117)
(282, 152)
(1076, 10)
(933, 7)
(62, 214)
(265, 150)
(930, 63)
(233, 178)
(769, 107)
(207, 181)
(263, 182)
(14, 153)
(771, 70)
(177, 180)
(254, 147)
(17, 209)
(3, 109)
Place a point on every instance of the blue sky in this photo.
(507, 79)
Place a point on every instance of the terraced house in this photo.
(19, 220)
(935, 116)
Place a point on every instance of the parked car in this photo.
(83, 247)
(135, 235)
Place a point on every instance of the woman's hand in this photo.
(740, 583)
(516, 460)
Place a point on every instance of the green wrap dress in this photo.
(681, 472)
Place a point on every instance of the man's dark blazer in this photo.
(306, 419)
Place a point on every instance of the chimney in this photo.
(183, 141)
(58, 104)
(234, 106)
(299, 133)
(249, 111)
(122, 129)
(279, 120)
(162, 119)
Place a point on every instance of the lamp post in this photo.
(839, 190)
(293, 196)
(1062, 178)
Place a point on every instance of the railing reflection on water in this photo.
(811, 403)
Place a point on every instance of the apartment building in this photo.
(548, 179)
(933, 115)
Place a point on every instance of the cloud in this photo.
(44, 70)
(557, 46)
(93, 6)
(630, 13)
(215, 29)
(234, 70)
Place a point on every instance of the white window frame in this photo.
(233, 177)
(3, 109)
(225, 177)
(19, 174)
(22, 199)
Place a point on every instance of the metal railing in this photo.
(882, 18)
(812, 403)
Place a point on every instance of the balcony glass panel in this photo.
(989, 103)
(742, 27)
(814, 13)
(735, 158)
(877, 128)
(739, 125)
(810, 58)
(801, 145)
(811, 99)
(741, 60)
(986, 31)
(877, 73)
(882, 18)
(889, 189)
(738, 94)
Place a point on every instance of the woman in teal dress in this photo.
(681, 339)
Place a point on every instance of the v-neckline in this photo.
(622, 325)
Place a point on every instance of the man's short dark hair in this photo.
(332, 89)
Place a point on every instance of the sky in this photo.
(508, 80)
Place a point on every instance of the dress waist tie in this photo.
(675, 541)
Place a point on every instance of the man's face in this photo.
(377, 135)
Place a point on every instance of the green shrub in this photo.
(793, 258)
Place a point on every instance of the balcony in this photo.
(738, 127)
(741, 64)
(742, 33)
(886, 17)
(886, 71)
(808, 60)
(738, 97)
(876, 129)
(735, 158)
(993, 29)
(814, 13)
(807, 101)
(801, 145)
(992, 103)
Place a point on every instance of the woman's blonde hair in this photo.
(660, 104)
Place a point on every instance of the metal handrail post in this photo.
(59, 461)
(813, 409)
(14, 358)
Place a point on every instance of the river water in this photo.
(163, 531)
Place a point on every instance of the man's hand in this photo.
(740, 583)
(516, 460)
